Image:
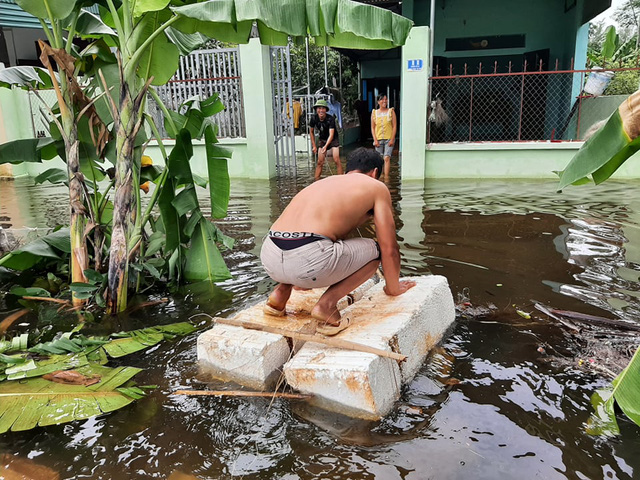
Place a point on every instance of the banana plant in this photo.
(143, 34)
(611, 146)
(56, 17)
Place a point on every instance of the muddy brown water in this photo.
(487, 404)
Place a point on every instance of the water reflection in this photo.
(487, 405)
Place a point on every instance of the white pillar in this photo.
(414, 82)
(255, 65)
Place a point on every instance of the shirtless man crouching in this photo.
(306, 246)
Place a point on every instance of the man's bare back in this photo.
(334, 206)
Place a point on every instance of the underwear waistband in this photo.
(293, 240)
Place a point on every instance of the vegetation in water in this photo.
(68, 379)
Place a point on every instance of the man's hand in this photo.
(403, 286)
(392, 142)
(315, 149)
(324, 149)
(376, 143)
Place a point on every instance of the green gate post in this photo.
(414, 82)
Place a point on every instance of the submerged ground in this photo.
(504, 397)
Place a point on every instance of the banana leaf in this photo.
(336, 23)
(39, 402)
(124, 343)
(609, 148)
(204, 261)
(625, 392)
(38, 250)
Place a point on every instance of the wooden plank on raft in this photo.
(329, 341)
(242, 393)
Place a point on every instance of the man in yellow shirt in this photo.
(383, 130)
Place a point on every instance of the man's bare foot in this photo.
(277, 301)
(326, 317)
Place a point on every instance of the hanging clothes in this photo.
(335, 109)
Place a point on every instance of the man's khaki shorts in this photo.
(318, 264)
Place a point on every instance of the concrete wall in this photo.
(253, 157)
(544, 22)
(508, 160)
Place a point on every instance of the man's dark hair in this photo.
(381, 96)
(365, 160)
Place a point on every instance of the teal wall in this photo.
(544, 22)
(379, 68)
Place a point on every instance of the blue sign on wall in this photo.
(415, 65)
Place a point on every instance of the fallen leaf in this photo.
(523, 314)
(71, 377)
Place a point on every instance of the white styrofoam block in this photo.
(366, 386)
(254, 358)
(352, 383)
(248, 357)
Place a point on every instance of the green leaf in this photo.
(53, 175)
(96, 278)
(178, 161)
(192, 223)
(125, 343)
(144, 6)
(204, 261)
(59, 239)
(25, 76)
(91, 25)
(156, 242)
(24, 150)
(186, 201)
(16, 343)
(42, 367)
(80, 287)
(38, 250)
(627, 389)
(39, 402)
(160, 59)
(603, 421)
(602, 154)
(219, 183)
(59, 9)
(610, 44)
(186, 42)
(29, 292)
(28, 256)
(170, 217)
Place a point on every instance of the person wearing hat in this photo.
(327, 137)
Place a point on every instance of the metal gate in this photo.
(201, 74)
(285, 141)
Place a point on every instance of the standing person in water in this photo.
(327, 137)
(307, 246)
(383, 129)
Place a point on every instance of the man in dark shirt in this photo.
(327, 137)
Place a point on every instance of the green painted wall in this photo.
(544, 22)
(15, 120)
(508, 160)
(413, 105)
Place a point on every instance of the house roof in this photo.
(12, 16)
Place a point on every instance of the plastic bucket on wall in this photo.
(597, 82)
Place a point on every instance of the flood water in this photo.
(491, 403)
